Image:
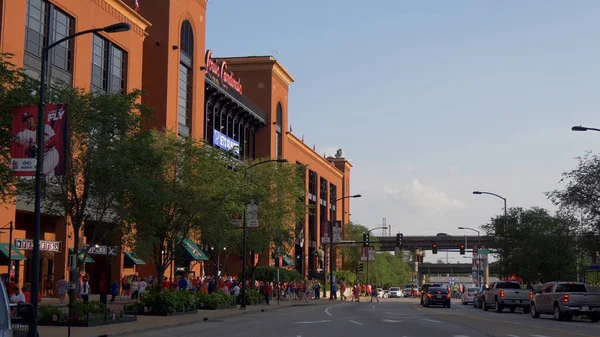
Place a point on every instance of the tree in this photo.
(15, 90)
(97, 161)
(278, 189)
(180, 188)
(523, 239)
(581, 199)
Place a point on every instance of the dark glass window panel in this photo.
(109, 66)
(187, 40)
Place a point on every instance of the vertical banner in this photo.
(252, 214)
(24, 145)
(364, 253)
(337, 232)
(325, 235)
(371, 253)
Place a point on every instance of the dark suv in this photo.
(425, 288)
(437, 296)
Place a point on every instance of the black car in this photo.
(437, 296)
(424, 289)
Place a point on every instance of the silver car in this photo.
(469, 295)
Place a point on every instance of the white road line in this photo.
(509, 335)
(327, 311)
(538, 336)
(389, 312)
(460, 336)
(390, 321)
(459, 306)
(430, 320)
(313, 322)
(355, 322)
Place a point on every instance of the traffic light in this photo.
(360, 267)
(366, 239)
(434, 248)
(399, 239)
(462, 249)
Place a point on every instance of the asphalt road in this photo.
(390, 317)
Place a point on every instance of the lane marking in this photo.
(430, 320)
(313, 322)
(391, 321)
(355, 322)
(327, 311)
(509, 335)
(460, 336)
(538, 336)
(389, 312)
(459, 306)
(569, 333)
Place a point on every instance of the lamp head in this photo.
(477, 192)
(356, 196)
(579, 128)
(461, 228)
(117, 27)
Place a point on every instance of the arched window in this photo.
(186, 57)
(278, 136)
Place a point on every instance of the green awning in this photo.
(88, 258)
(193, 250)
(132, 258)
(288, 261)
(16, 255)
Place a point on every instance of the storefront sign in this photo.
(225, 143)
(227, 78)
(101, 250)
(45, 246)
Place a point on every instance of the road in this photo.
(390, 317)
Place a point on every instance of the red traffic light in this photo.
(462, 246)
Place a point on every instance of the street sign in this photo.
(371, 253)
(483, 251)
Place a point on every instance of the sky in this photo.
(431, 100)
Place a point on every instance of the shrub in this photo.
(160, 302)
(45, 313)
(185, 300)
(216, 300)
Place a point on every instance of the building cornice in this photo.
(123, 13)
(260, 63)
(304, 148)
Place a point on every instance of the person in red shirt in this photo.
(268, 291)
(342, 290)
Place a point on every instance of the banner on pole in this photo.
(371, 253)
(24, 145)
(325, 235)
(364, 253)
(337, 232)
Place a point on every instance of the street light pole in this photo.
(368, 250)
(583, 128)
(478, 256)
(245, 229)
(505, 222)
(331, 248)
(35, 274)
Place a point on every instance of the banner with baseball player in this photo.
(24, 146)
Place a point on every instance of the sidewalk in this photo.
(144, 323)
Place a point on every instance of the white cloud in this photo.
(414, 197)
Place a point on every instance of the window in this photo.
(332, 195)
(186, 75)
(45, 20)
(109, 66)
(278, 137)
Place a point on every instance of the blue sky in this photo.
(431, 100)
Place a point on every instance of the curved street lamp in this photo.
(583, 128)
(331, 249)
(245, 229)
(35, 273)
(505, 211)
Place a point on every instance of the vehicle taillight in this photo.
(531, 294)
(566, 298)
(502, 293)
(428, 295)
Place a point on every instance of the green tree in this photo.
(278, 189)
(15, 90)
(97, 160)
(181, 187)
(524, 238)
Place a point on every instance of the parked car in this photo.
(564, 300)
(437, 296)
(408, 290)
(395, 292)
(507, 294)
(469, 295)
(386, 294)
(425, 288)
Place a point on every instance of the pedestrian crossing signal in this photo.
(462, 249)
(360, 267)
(434, 248)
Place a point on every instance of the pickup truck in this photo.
(507, 294)
(564, 300)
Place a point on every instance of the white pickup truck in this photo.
(507, 294)
(564, 300)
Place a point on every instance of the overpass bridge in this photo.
(389, 243)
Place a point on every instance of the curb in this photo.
(207, 319)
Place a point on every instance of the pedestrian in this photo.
(135, 289)
(142, 287)
(342, 290)
(61, 287)
(268, 291)
(114, 290)
(374, 293)
(318, 291)
(334, 289)
(84, 291)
